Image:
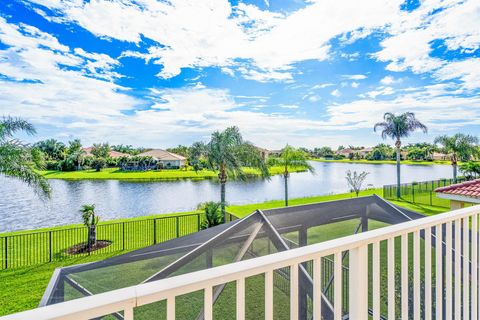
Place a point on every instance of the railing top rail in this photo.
(104, 303)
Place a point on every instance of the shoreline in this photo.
(146, 176)
(404, 162)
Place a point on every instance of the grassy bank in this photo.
(364, 161)
(174, 174)
(29, 283)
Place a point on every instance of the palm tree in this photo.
(460, 147)
(90, 220)
(213, 214)
(16, 158)
(223, 154)
(396, 128)
(290, 157)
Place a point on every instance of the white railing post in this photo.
(358, 283)
(241, 299)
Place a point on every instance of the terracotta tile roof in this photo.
(466, 189)
(160, 154)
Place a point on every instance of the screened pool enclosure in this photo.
(258, 234)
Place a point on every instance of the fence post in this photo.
(431, 197)
(123, 236)
(6, 252)
(198, 221)
(154, 231)
(413, 193)
(178, 226)
(50, 244)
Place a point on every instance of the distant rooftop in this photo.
(111, 153)
(160, 154)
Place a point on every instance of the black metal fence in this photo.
(420, 192)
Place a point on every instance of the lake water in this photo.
(20, 208)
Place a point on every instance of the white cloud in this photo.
(355, 84)
(354, 76)
(412, 35)
(289, 106)
(215, 34)
(336, 93)
(321, 86)
(388, 80)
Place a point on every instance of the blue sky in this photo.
(309, 73)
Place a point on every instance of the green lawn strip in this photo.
(170, 174)
(364, 161)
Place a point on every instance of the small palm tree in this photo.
(223, 154)
(355, 180)
(16, 157)
(90, 220)
(396, 128)
(213, 214)
(459, 146)
(290, 158)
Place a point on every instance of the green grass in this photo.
(364, 161)
(174, 174)
(27, 284)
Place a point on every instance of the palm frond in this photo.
(10, 125)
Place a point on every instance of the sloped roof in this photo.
(160, 154)
(111, 153)
(467, 189)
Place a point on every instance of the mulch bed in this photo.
(83, 248)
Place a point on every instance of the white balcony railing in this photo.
(453, 238)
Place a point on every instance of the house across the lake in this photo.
(112, 153)
(461, 194)
(165, 159)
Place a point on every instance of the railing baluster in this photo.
(358, 282)
(128, 314)
(376, 280)
(208, 303)
(474, 266)
(416, 275)
(438, 273)
(337, 286)
(317, 289)
(458, 275)
(241, 299)
(466, 269)
(391, 277)
(448, 271)
(428, 274)
(171, 308)
(294, 292)
(404, 276)
(269, 295)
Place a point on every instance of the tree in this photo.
(90, 220)
(221, 154)
(17, 159)
(181, 150)
(53, 149)
(460, 147)
(101, 150)
(355, 180)
(470, 169)
(98, 163)
(396, 128)
(75, 153)
(290, 158)
(213, 214)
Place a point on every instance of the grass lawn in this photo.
(364, 161)
(27, 284)
(173, 174)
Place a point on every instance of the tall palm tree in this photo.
(460, 147)
(396, 128)
(16, 157)
(290, 157)
(223, 154)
